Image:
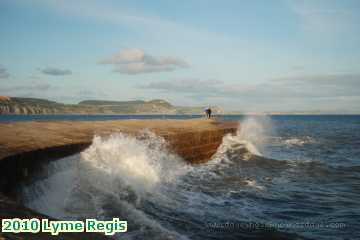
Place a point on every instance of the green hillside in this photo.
(15, 105)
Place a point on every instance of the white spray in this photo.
(120, 169)
(253, 133)
(141, 163)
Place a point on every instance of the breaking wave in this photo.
(120, 174)
(139, 180)
(142, 162)
(113, 177)
(251, 137)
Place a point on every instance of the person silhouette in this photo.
(208, 112)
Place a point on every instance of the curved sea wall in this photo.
(26, 146)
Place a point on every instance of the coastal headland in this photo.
(24, 146)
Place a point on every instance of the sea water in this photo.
(279, 177)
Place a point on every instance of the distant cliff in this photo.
(14, 105)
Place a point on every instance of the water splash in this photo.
(115, 175)
(141, 162)
(253, 183)
(255, 131)
(251, 138)
(163, 204)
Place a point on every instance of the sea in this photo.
(279, 177)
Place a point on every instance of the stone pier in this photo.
(24, 146)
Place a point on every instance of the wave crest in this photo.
(141, 162)
(250, 139)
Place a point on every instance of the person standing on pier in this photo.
(208, 112)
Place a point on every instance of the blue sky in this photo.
(280, 55)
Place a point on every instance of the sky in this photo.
(241, 55)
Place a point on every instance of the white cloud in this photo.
(136, 61)
(126, 56)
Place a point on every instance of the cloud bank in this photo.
(136, 61)
(313, 86)
(56, 71)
